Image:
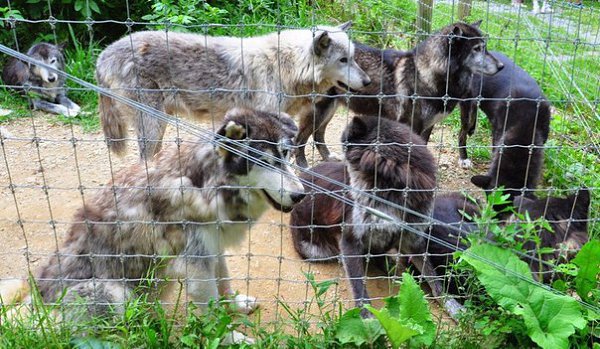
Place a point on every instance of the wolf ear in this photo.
(583, 199)
(477, 24)
(482, 181)
(231, 130)
(62, 45)
(345, 26)
(321, 43)
(355, 129)
(457, 31)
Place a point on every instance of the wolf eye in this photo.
(477, 48)
(344, 59)
(53, 60)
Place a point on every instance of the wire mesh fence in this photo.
(132, 219)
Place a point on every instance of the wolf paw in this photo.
(235, 337)
(465, 163)
(245, 304)
(453, 307)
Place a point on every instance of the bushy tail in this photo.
(13, 291)
(113, 124)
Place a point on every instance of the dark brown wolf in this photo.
(384, 160)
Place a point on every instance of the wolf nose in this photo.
(296, 197)
(366, 82)
(51, 78)
(500, 66)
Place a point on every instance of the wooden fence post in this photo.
(464, 9)
(424, 18)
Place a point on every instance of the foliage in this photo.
(404, 318)
(550, 319)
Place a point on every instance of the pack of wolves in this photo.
(199, 198)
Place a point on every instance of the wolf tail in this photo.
(13, 291)
(114, 125)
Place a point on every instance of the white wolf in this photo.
(200, 76)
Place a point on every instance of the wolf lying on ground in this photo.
(175, 218)
(202, 76)
(46, 86)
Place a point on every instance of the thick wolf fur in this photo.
(47, 86)
(441, 65)
(203, 76)
(316, 225)
(383, 158)
(519, 129)
(175, 218)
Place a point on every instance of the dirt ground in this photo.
(53, 175)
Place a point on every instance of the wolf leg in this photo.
(354, 264)
(40, 104)
(468, 121)
(72, 107)
(427, 270)
(243, 303)
(96, 298)
(325, 111)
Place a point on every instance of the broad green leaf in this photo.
(588, 261)
(353, 329)
(397, 329)
(550, 319)
(414, 306)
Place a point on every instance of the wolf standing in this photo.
(46, 85)
(202, 76)
(418, 87)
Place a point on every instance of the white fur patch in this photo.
(245, 304)
(465, 163)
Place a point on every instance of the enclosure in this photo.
(53, 164)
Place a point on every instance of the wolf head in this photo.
(263, 163)
(467, 47)
(51, 55)
(335, 51)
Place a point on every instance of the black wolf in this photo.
(520, 128)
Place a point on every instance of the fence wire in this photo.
(37, 245)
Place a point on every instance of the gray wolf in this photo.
(45, 86)
(203, 76)
(176, 217)
(519, 128)
(437, 71)
(383, 158)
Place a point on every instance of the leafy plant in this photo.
(405, 318)
(550, 319)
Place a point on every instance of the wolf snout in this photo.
(297, 197)
(52, 78)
